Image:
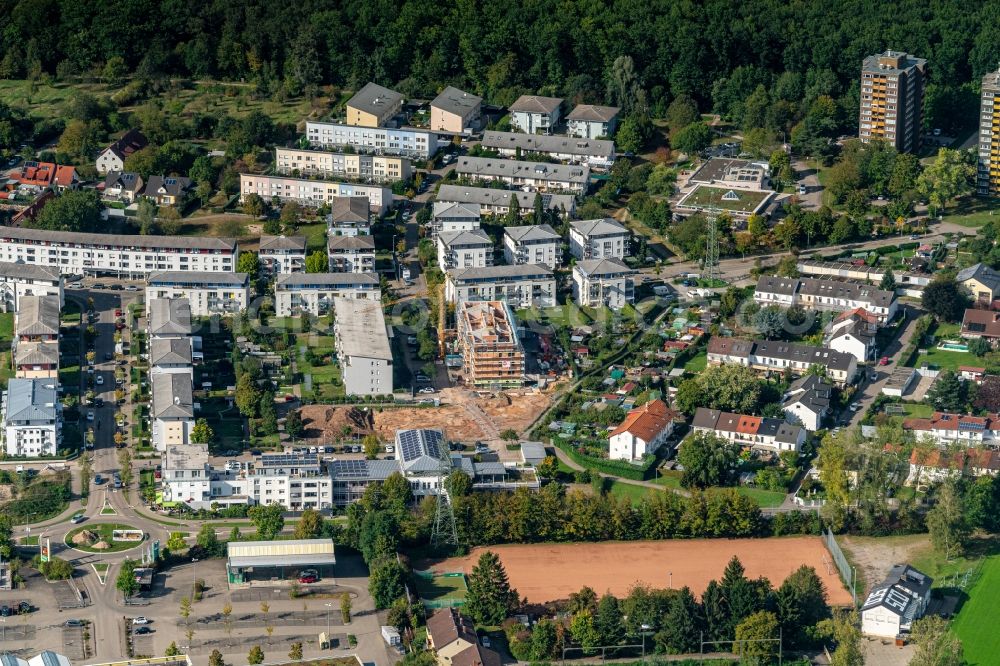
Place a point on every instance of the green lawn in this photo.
(6, 328)
(630, 491)
(975, 621)
(104, 532)
(766, 498)
(315, 235)
(697, 363)
(709, 197)
(973, 212)
(945, 360)
(918, 411)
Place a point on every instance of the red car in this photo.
(884, 361)
(308, 578)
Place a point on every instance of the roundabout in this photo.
(103, 538)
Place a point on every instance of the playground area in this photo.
(551, 572)
(440, 590)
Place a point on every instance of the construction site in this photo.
(492, 355)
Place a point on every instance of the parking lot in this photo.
(76, 641)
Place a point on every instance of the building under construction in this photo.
(492, 355)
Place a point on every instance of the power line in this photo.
(445, 532)
(711, 265)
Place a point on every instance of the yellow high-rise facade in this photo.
(892, 97)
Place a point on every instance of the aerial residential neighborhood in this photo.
(477, 335)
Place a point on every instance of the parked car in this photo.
(99, 380)
(98, 479)
(23, 607)
(426, 389)
(5, 611)
(486, 641)
(74, 623)
(855, 406)
(143, 630)
(884, 361)
(90, 415)
(308, 577)
(140, 620)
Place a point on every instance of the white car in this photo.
(90, 415)
(855, 406)
(140, 620)
(99, 380)
(426, 389)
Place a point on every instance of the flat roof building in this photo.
(252, 561)
(522, 286)
(314, 292)
(208, 293)
(373, 106)
(312, 192)
(362, 342)
(455, 111)
(892, 99)
(369, 168)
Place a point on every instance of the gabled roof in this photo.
(983, 323)
(453, 100)
(487, 196)
(167, 185)
(132, 141)
(901, 592)
(169, 316)
(419, 450)
(196, 278)
(598, 227)
(812, 392)
(548, 143)
(532, 232)
(982, 273)
(15, 271)
(123, 180)
(37, 315)
(535, 104)
(349, 243)
(37, 353)
(736, 347)
(495, 167)
(647, 422)
(772, 284)
(170, 351)
(854, 291)
(444, 210)
(593, 114)
(447, 626)
(954, 422)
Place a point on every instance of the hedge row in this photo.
(620, 468)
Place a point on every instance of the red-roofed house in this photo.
(943, 428)
(643, 431)
(937, 465)
(972, 373)
(46, 174)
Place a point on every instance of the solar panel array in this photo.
(289, 459)
(414, 444)
(356, 469)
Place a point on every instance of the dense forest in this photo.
(636, 53)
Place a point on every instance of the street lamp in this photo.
(194, 577)
(328, 607)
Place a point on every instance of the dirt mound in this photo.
(325, 424)
(85, 538)
(101, 545)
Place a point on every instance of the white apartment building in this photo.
(312, 192)
(351, 254)
(32, 417)
(315, 292)
(409, 142)
(19, 280)
(642, 432)
(349, 216)
(374, 168)
(172, 355)
(603, 238)
(520, 286)
(171, 410)
(603, 283)
(540, 176)
(207, 293)
(534, 114)
(588, 121)
(497, 202)
(362, 343)
(282, 254)
(596, 153)
(532, 244)
(464, 249)
(187, 478)
(453, 217)
(115, 254)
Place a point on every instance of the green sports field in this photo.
(976, 621)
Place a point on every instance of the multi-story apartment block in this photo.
(373, 168)
(187, 477)
(115, 254)
(532, 244)
(20, 280)
(521, 286)
(753, 431)
(406, 141)
(540, 176)
(208, 293)
(315, 292)
(588, 121)
(596, 153)
(312, 192)
(892, 99)
(171, 409)
(362, 346)
(778, 356)
(171, 355)
(603, 283)
(32, 417)
(826, 295)
(492, 354)
(450, 217)
(497, 202)
(534, 114)
(349, 216)
(464, 249)
(988, 172)
(602, 238)
(282, 254)
(456, 112)
(35, 342)
(373, 106)
(351, 254)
